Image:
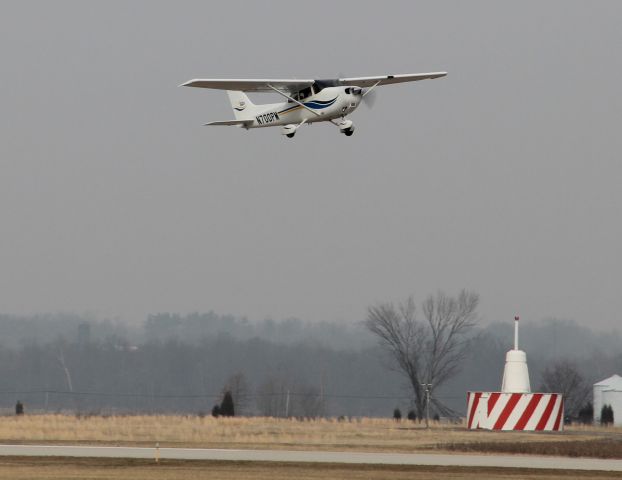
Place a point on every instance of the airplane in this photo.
(308, 101)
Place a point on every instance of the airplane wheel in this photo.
(349, 133)
(290, 135)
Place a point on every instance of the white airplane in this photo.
(308, 101)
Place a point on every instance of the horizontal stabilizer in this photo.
(240, 123)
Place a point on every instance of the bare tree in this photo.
(429, 351)
(563, 376)
(309, 402)
(61, 361)
(272, 398)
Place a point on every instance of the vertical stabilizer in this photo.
(241, 104)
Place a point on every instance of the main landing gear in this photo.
(290, 130)
(345, 126)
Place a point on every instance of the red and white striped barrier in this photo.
(515, 411)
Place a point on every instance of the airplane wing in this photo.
(389, 79)
(250, 85)
(241, 123)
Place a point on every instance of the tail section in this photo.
(242, 106)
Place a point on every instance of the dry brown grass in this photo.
(96, 469)
(365, 434)
(599, 448)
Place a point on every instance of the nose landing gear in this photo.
(346, 127)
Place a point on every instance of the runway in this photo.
(512, 461)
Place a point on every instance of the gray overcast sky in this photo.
(503, 177)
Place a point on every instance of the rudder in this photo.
(241, 104)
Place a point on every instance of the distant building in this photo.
(609, 392)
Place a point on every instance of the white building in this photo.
(609, 392)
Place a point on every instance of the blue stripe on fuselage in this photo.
(313, 104)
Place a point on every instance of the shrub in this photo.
(216, 411)
(397, 415)
(226, 407)
(19, 408)
(412, 415)
(586, 414)
(606, 415)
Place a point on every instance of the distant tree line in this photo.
(263, 377)
(55, 362)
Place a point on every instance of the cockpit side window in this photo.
(304, 93)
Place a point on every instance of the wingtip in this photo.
(187, 84)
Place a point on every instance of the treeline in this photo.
(174, 376)
(175, 363)
(195, 326)
(16, 331)
(19, 330)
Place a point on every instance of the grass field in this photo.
(270, 433)
(95, 469)
(364, 434)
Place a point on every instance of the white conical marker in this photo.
(516, 373)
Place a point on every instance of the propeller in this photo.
(369, 97)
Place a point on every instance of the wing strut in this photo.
(292, 99)
(372, 87)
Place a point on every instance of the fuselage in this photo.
(327, 104)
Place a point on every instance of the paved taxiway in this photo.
(515, 461)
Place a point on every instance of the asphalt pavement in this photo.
(514, 461)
